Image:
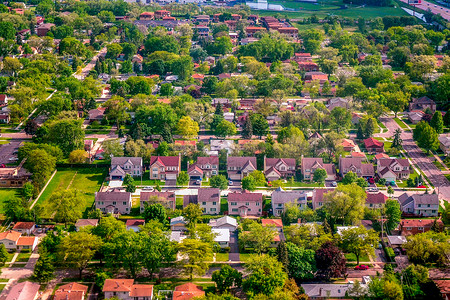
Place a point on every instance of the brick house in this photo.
(426, 205)
(276, 168)
(147, 15)
(207, 198)
(115, 202)
(120, 166)
(311, 164)
(281, 197)
(25, 228)
(239, 167)
(43, 29)
(422, 104)
(317, 197)
(355, 165)
(204, 167)
(348, 145)
(13, 240)
(245, 204)
(376, 200)
(71, 291)
(165, 167)
(14, 176)
(414, 226)
(187, 291)
(373, 145)
(125, 289)
(167, 199)
(393, 169)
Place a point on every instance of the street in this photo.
(434, 8)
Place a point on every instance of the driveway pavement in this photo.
(234, 247)
(7, 151)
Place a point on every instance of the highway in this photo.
(434, 8)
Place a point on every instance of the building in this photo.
(81, 223)
(134, 224)
(114, 202)
(415, 226)
(71, 291)
(165, 167)
(415, 116)
(355, 165)
(338, 102)
(289, 31)
(305, 57)
(178, 224)
(125, 289)
(224, 222)
(13, 240)
(280, 198)
(217, 145)
(25, 228)
(393, 169)
(43, 29)
(311, 164)
(5, 118)
(159, 14)
(3, 100)
(276, 168)
(147, 15)
(376, 200)
(308, 66)
(424, 205)
(222, 237)
(239, 167)
(187, 291)
(444, 288)
(317, 197)
(373, 145)
(120, 166)
(348, 145)
(14, 176)
(207, 198)
(167, 199)
(23, 291)
(422, 104)
(245, 204)
(204, 167)
(444, 143)
(276, 224)
(396, 241)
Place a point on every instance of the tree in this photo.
(156, 212)
(346, 203)
(225, 128)
(396, 101)
(247, 131)
(116, 110)
(3, 255)
(259, 124)
(31, 127)
(302, 262)
(428, 247)
(437, 122)
(226, 277)
(166, 89)
(219, 181)
(192, 213)
(113, 50)
(358, 241)
(340, 119)
(113, 147)
(78, 157)
(41, 164)
(183, 178)
(77, 249)
(187, 127)
(397, 140)
(257, 236)
(197, 254)
(67, 206)
(320, 175)
(425, 136)
(330, 262)
(349, 178)
(108, 227)
(265, 275)
(44, 268)
(249, 183)
(27, 190)
(124, 251)
(67, 134)
(393, 214)
(282, 255)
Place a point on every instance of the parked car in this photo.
(198, 182)
(373, 189)
(362, 267)
(371, 180)
(148, 188)
(230, 182)
(334, 183)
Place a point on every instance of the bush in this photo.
(225, 250)
(382, 181)
(390, 253)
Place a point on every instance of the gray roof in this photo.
(237, 161)
(122, 160)
(326, 290)
(423, 199)
(177, 220)
(222, 221)
(281, 196)
(396, 239)
(112, 196)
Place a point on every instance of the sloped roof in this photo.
(244, 197)
(23, 291)
(222, 221)
(86, 222)
(237, 161)
(187, 291)
(24, 225)
(272, 222)
(135, 222)
(118, 285)
(10, 235)
(371, 143)
(112, 196)
(168, 161)
(376, 198)
(26, 241)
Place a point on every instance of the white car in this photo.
(230, 182)
(13, 159)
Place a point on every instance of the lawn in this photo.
(400, 123)
(23, 257)
(147, 181)
(86, 181)
(403, 184)
(302, 184)
(6, 194)
(352, 257)
(245, 257)
(221, 256)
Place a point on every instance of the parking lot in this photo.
(7, 152)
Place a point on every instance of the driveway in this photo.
(7, 152)
(234, 247)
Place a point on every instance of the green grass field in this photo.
(6, 194)
(86, 181)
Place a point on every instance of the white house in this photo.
(222, 237)
(225, 222)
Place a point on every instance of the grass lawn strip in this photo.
(6, 194)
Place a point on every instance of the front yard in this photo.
(6, 194)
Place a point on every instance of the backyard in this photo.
(6, 194)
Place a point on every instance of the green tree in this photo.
(197, 254)
(345, 204)
(7, 31)
(226, 277)
(249, 183)
(349, 178)
(124, 251)
(116, 110)
(393, 214)
(41, 164)
(340, 119)
(187, 127)
(183, 178)
(3, 255)
(396, 101)
(225, 128)
(44, 268)
(247, 130)
(113, 50)
(259, 124)
(425, 136)
(219, 181)
(437, 122)
(67, 134)
(358, 241)
(192, 213)
(78, 156)
(108, 227)
(428, 247)
(113, 147)
(257, 236)
(320, 175)
(264, 269)
(67, 205)
(302, 262)
(166, 89)
(397, 140)
(156, 212)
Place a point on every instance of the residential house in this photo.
(373, 145)
(332, 291)
(71, 291)
(311, 164)
(147, 15)
(222, 237)
(444, 143)
(338, 102)
(225, 222)
(317, 197)
(422, 104)
(125, 289)
(114, 202)
(396, 241)
(444, 288)
(167, 199)
(393, 169)
(310, 76)
(304, 57)
(308, 66)
(415, 116)
(3, 100)
(81, 223)
(13, 240)
(348, 145)
(289, 31)
(217, 145)
(207, 198)
(5, 118)
(245, 204)
(120, 166)
(415, 226)
(239, 167)
(25, 290)
(165, 167)
(251, 30)
(280, 198)
(204, 167)
(25, 228)
(424, 205)
(133, 224)
(276, 168)
(178, 224)
(276, 224)
(43, 29)
(355, 165)
(159, 14)
(376, 200)
(27, 243)
(14, 176)
(356, 117)
(187, 291)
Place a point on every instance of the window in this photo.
(428, 205)
(214, 167)
(234, 210)
(114, 203)
(247, 203)
(280, 204)
(257, 203)
(214, 203)
(155, 170)
(233, 203)
(371, 205)
(433, 211)
(420, 228)
(408, 228)
(307, 170)
(249, 209)
(203, 203)
(419, 205)
(213, 209)
(124, 203)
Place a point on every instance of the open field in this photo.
(86, 181)
(6, 194)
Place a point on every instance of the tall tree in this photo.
(226, 277)
(197, 254)
(265, 275)
(358, 241)
(397, 141)
(345, 204)
(425, 136)
(330, 262)
(67, 206)
(156, 212)
(44, 268)
(437, 122)
(393, 214)
(258, 237)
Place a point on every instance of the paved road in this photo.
(435, 9)
(234, 247)
(7, 152)
(91, 64)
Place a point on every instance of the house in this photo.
(217, 145)
(225, 222)
(96, 114)
(337, 102)
(317, 197)
(204, 167)
(120, 166)
(9, 239)
(308, 66)
(159, 14)
(165, 167)
(393, 169)
(23, 291)
(25, 228)
(251, 30)
(187, 291)
(415, 116)
(444, 143)
(14, 176)
(81, 223)
(396, 241)
(178, 224)
(381, 156)
(376, 200)
(348, 145)
(276, 168)
(424, 205)
(133, 224)
(321, 77)
(330, 290)
(167, 199)
(415, 226)
(222, 237)
(239, 167)
(373, 145)
(356, 118)
(303, 57)
(3, 99)
(355, 165)
(311, 164)
(71, 291)
(27, 243)
(280, 198)
(207, 198)
(125, 289)
(422, 104)
(276, 224)
(43, 29)
(114, 202)
(147, 15)
(5, 118)
(245, 204)
(444, 288)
